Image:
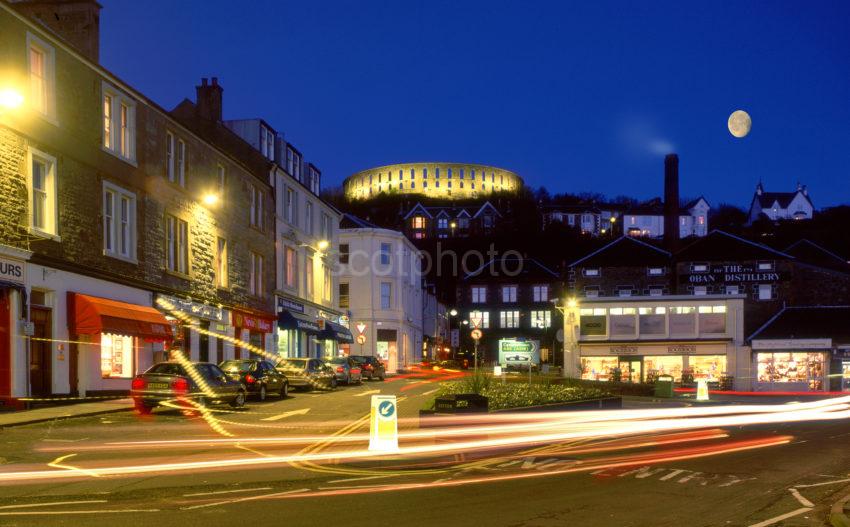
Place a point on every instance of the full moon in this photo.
(740, 123)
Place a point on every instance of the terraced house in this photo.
(124, 234)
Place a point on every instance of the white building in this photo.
(781, 205)
(309, 323)
(648, 219)
(380, 283)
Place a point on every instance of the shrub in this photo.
(502, 396)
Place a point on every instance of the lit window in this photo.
(540, 293)
(41, 58)
(700, 290)
(119, 222)
(765, 292)
(221, 263)
(256, 278)
(309, 277)
(765, 266)
(386, 295)
(480, 319)
(590, 272)
(42, 192)
(177, 244)
(541, 319)
(656, 291)
(699, 268)
(119, 123)
(479, 295)
(344, 302)
(418, 222)
(327, 283)
(732, 290)
(509, 293)
(509, 319)
(656, 271)
(290, 264)
(116, 356)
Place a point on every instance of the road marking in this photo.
(286, 414)
(348, 480)
(367, 392)
(822, 484)
(781, 517)
(223, 492)
(52, 513)
(247, 498)
(252, 450)
(50, 504)
(803, 501)
(57, 463)
(672, 474)
(429, 392)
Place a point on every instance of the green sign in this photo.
(520, 353)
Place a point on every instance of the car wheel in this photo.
(261, 395)
(284, 390)
(239, 400)
(333, 383)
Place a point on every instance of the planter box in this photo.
(602, 403)
(461, 403)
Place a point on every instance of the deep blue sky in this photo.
(569, 95)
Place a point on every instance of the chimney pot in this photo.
(209, 100)
(215, 81)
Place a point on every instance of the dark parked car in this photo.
(347, 370)
(170, 381)
(259, 376)
(372, 368)
(308, 374)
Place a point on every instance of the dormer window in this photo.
(267, 142)
(766, 266)
(699, 268)
(655, 271)
(591, 271)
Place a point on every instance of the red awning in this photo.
(93, 315)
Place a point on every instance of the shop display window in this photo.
(652, 320)
(664, 365)
(708, 367)
(116, 356)
(598, 368)
(791, 367)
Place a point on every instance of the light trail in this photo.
(561, 430)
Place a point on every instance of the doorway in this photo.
(630, 369)
(41, 347)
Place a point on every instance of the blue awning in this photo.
(287, 319)
(337, 332)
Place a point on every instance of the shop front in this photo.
(111, 341)
(793, 365)
(294, 330)
(201, 331)
(686, 362)
(333, 336)
(255, 333)
(386, 348)
(12, 297)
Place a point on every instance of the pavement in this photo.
(796, 483)
(64, 411)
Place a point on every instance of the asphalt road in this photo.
(516, 488)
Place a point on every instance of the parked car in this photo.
(371, 367)
(307, 374)
(260, 377)
(170, 381)
(347, 370)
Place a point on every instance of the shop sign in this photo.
(285, 303)
(190, 307)
(682, 349)
(732, 274)
(623, 350)
(519, 352)
(345, 321)
(12, 271)
(631, 348)
(593, 325)
(251, 322)
(791, 344)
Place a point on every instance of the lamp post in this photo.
(570, 339)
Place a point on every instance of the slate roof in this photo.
(809, 252)
(625, 251)
(691, 204)
(811, 322)
(766, 199)
(350, 221)
(530, 269)
(722, 246)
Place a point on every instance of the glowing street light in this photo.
(210, 199)
(453, 312)
(323, 244)
(11, 99)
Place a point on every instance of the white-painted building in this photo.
(380, 283)
(781, 205)
(647, 219)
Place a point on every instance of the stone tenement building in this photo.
(436, 180)
(123, 233)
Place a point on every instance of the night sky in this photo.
(573, 96)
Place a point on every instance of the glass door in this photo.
(630, 369)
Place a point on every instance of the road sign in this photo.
(361, 339)
(361, 327)
(475, 319)
(476, 334)
(383, 423)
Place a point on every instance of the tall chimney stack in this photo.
(671, 202)
(208, 96)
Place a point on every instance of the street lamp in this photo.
(453, 312)
(11, 99)
(323, 244)
(210, 199)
